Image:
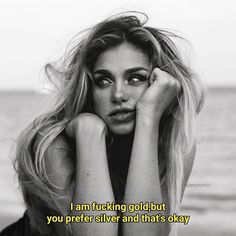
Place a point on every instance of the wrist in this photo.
(147, 122)
(89, 124)
(90, 130)
(148, 117)
(88, 141)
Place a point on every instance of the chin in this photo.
(122, 129)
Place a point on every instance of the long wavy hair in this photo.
(177, 125)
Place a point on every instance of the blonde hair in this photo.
(177, 133)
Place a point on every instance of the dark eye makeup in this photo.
(102, 81)
(137, 78)
(133, 78)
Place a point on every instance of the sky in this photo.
(36, 32)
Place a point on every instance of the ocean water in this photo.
(210, 196)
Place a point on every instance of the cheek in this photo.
(100, 102)
(137, 93)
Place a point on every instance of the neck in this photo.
(120, 150)
(123, 141)
(119, 153)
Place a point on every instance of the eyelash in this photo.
(140, 78)
(99, 81)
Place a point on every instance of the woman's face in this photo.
(120, 77)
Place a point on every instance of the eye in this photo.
(102, 82)
(136, 78)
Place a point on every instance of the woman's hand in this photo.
(159, 95)
(85, 123)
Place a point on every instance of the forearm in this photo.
(143, 182)
(92, 182)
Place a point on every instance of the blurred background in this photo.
(36, 32)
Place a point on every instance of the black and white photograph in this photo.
(118, 118)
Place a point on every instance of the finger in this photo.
(154, 76)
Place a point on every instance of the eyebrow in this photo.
(128, 71)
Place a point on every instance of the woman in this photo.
(122, 130)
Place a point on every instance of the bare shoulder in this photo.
(59, 144)
(57, 152)
(59, 161)
(60, 168)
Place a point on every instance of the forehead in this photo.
(122, 57)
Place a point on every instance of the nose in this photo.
(119, 93)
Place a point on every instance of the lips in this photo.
(120, 111)
(122, 115)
